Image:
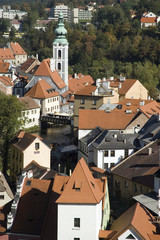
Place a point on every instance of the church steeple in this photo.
(60, 50)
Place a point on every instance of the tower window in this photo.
(59, 66)
(59, 53)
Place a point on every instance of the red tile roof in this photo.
(154, 236)
(89, 119)
(136, 217)
(42, 90)
(6, 81)
(32, 207)
(150, 109)
(82, 187)
(4, 67)
(125, 85)
(79, 82)
(17, 49)
(86, 90)
(148, 19)
(44, 70)
(6, 53)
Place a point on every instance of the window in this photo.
(106, 153)
(76, 238)
(112, 164)
(135, 188)
(112, 153)
(82, 101)
(59, 66)
(105, 165)
(59, 53)
(117, 184)
(36, 146)
(126, 184)
(126, 153)
(77, 222)
(94, 102)
(1, 196)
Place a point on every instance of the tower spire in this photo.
(60, 31)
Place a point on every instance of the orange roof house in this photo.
(6, 85)
(79, 81)
(135, 221)
(7, 55)
(47, 97)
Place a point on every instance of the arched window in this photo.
(59, 53)
(59, 66)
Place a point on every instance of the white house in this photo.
(106, 148)
(80, 206)
(31, 112)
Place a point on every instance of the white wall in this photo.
(82, 133)
(90, 221)
(41, 156)
(32, 117)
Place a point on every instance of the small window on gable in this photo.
(77, 185)
(36, 146)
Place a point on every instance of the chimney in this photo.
(120, 85)
(59, 168)
(111, 78)
(75, 75)
(9, 220)
(149, 151)
(70, 172)
(52, 66)
(158, 117)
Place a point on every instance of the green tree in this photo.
(12, 34)
(10, 122)
(4, 25)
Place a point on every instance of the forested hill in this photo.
(112, 44)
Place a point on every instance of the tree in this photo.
(12, 34)
(10, 122)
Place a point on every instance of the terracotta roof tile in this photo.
(148, 19)
(136, 217)
(106, 234)
(17, 49)
(6, 81)
(44, 70)
(86, 90)
(89, 119)
(4, 67)
(154, 236)
(42, 90)
(6, 53)
(29, 102)
(75, 84)
(81, 187)
(125, 85)
(150, 109)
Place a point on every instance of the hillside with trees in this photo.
(112, 44)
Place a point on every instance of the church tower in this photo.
(60, 51)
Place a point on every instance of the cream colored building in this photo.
(27, 147)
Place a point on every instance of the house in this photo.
(6, 194)
(135, 223)
(93, 97)
(17, 24)
(128, 88)
(25, 148)
(90, 119)
(42, 24)
(29, 66)
(6, 55)
(135, 174)
(31, 112)
(6, 85)
(47, 97)
(79, 81)
(82, 194)
(106, 148)
(19, 85)
(149, 19)
(19, 54)
(41, 207)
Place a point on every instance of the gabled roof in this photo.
(125, 85)
(7, 81)
(42, 90)
(6, 53)
(141, 165)
(44, 70)
(24, 141)
(79, 82)
(82, 187)
(29, 103)
(150, 109)
(148, 19)
(92, 135)
(26, 66)
(138, 218)
(90, 119)
(17, 49)
(32, 207)
(4, 67)
(37, 170)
